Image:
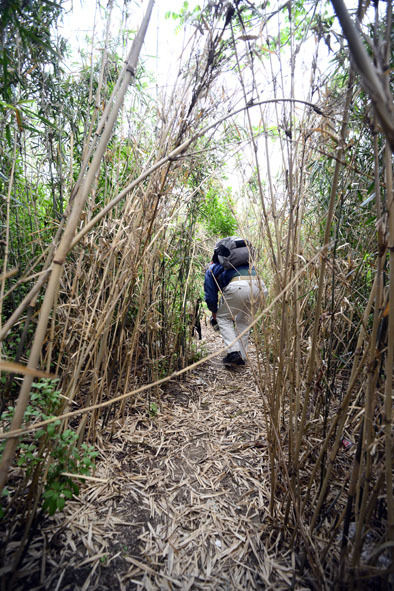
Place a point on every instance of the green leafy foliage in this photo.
(58, 449)
(25, 29)
(217, 213)
(66, 457)
(185, 14)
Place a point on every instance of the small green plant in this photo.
(66, 457)
(59, 449)
(153, 409)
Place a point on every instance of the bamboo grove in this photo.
(113, 195)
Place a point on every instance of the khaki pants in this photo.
(239, 301)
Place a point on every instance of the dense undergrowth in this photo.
(122, 311)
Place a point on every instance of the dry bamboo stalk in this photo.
(292, 240)
(254, 144)
(319, 504)
(330, 213)
(297, 314)
(66, 324)
(112, 298)
(388, 409)
(278, 254)
(350, 501)
(358, 363)
(339, 419)
(64, 245)
(288, 313)
(388, 419)
(15, 433)
(365, 458)
(173, 155)
(93, 335)
(7, 275)
(275, 400)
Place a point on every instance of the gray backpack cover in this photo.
(233, 252)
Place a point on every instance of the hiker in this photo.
(232, 275)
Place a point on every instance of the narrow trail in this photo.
(185, 498)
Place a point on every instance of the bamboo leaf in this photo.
(12, 367)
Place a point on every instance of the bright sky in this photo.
(161, 40)
(163, 44)
(161, 49)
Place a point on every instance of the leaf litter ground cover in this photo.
(180, 500)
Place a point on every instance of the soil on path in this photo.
(184, 498)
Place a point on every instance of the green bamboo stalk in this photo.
(7, 236)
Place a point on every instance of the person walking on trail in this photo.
(232, 278)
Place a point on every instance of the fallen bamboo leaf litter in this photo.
(178, 500)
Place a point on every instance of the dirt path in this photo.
(184, 502)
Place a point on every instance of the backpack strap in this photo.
(222, 251)
(240, 244)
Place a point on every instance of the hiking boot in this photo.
(233, 359)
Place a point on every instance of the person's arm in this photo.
(211, 291)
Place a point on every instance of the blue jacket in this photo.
(223, 277)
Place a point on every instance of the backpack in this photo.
(233, 252)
